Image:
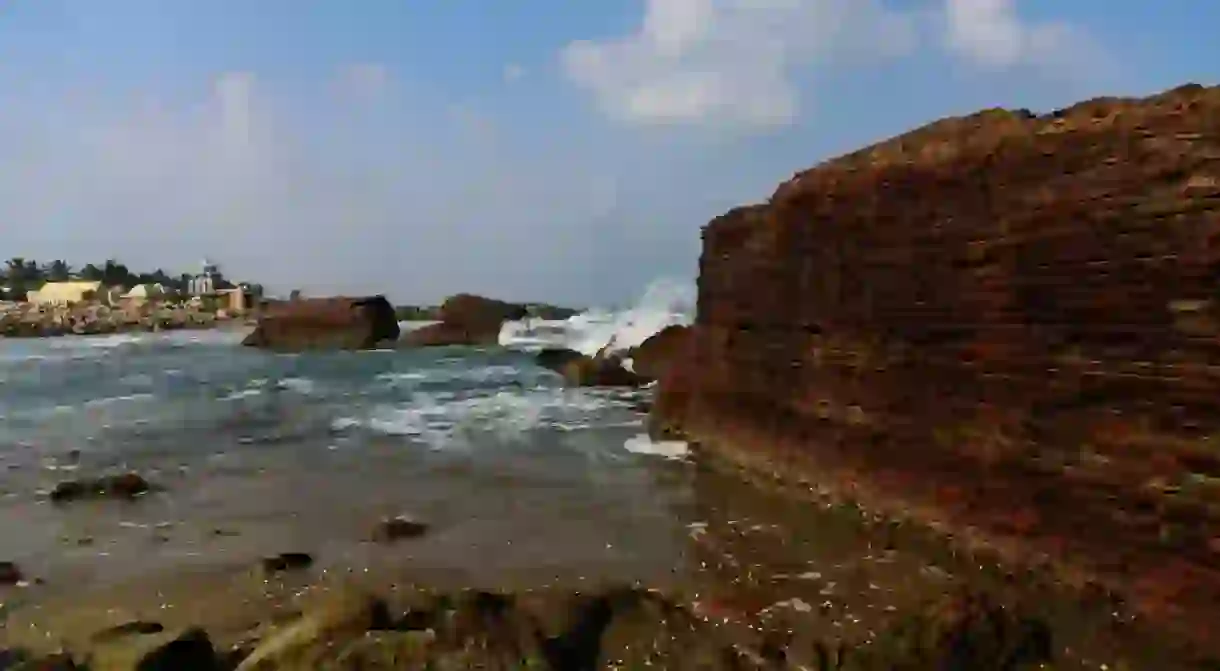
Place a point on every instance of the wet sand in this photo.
(759, 562)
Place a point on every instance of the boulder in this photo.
(582, 370)
(466, 319)
(340, 323)
(650, 359)
(556, 358)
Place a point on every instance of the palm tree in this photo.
(58, 271)
(16, 268)
(91, 272)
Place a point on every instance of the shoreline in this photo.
(218, 325)
(1016, 559)
(760, 561)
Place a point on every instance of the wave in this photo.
(666, 302)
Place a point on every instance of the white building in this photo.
(144, 292)
(204, 284)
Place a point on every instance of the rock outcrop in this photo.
(1002, 324)
(582, 370)
(340, 323)
(553, 630)
(648, 361)
(466, 319)
(651, 358)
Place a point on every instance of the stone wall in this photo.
(1003, 324)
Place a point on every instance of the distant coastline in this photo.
(55, 299)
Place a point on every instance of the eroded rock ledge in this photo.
(1003, 324)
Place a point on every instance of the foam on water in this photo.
(666, 302)
(447, 419)
(668, 449)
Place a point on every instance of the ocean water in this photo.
(258, 453)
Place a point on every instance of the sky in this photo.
(541, 150)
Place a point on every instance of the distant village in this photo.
(112, 283)
(56, 299)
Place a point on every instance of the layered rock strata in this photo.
(1004, 324)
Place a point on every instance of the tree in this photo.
(58, 271)
(91, 272)
(117, 274)
(20, 279)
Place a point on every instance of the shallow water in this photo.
(261, 453)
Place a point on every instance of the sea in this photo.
(255, 453)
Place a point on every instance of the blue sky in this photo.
(542, 150)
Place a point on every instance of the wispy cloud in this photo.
(738, 64)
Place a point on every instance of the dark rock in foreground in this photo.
(286, 561)
(466, 319)
(10, 574)
(126, 487)
(1004, 325)
(398, 528)
(607, 628)
(325, 323)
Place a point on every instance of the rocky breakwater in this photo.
(26, 320)
(338, 323)
(466, 319)
(1003, 325)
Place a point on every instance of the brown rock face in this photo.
(1001, 323)
(466, 319)
(325, 323)
(652, 357)
(582, 370)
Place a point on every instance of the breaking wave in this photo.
(666, 302)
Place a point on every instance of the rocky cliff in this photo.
(1002, 324)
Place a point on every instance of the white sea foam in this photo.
(442, 420)
(665, 303)
(668, 449)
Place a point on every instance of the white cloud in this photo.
(728, 62)
(989, 33)
(741, 63)
(513, 72)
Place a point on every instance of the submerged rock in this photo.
(398, 528)
(286, 561)
(555, 358)
(126, 486)
(189, 650)
(10, 574)
(582, 370)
